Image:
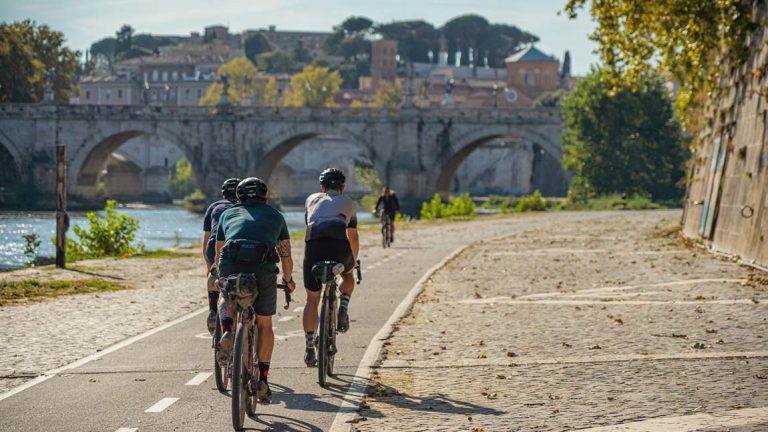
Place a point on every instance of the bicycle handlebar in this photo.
(359, 273)
(287, 295)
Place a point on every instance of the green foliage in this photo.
(110, 236)
(246, 85)
(688, 38)
(461, 207)
(195, 201)
(369, 179)
(565, 71)
(533, 202)
(27, 51)
(513, 204)
(626, 141)
(414, 38)
(389, 95)
(614, 202)
(496, 41)
(256, 44)
(32, 245)
(550, 99)
(275, 62)
(314, 87)
(124, 45)
(182, 181)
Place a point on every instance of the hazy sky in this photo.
(85, 21)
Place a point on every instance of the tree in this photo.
(182, 181)
(494, 41)
(688, 38)
(550, 99)
(255, 45)
(627, 140)
(415, 39)
(300, 54)
(314, 87)
(275, 62)
(27, 51)
(246, 85)
(566, 69)
(389, 95)
(123, 41)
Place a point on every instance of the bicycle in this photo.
(386, 229)
(326, 273)
(243, 364)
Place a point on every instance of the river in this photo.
(161, 227)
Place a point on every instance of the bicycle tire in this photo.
(253, 366)
(239, 378)
(322, 346)
(385, 235)
(332, 337)
(221, 372)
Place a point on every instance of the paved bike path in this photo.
(114, 392)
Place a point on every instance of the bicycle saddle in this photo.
(325, 271)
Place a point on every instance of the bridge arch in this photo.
(471, 141)
(277, 146)
(88, 160)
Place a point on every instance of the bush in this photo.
(533, 202)
(614, 202)
(112, 235)
(195, 201)
(182, 181)
(459, 207)
(513, 204)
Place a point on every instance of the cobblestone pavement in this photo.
(578, 326)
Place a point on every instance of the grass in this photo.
(35, 290)
(162, 253)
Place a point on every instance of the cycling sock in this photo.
(310, 339)
(344, 300)
(263, 371)
(226, 325)
(213, 300)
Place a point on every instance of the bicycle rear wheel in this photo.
(220, 370)
(322, 348)
(240, 376)
(253, 368)
(332, 337)
(385, 235)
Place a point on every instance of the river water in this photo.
(161, 227)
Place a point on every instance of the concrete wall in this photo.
(729, 172)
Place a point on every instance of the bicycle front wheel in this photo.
(385, 235)
(240, 376)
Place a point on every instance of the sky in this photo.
(86, 21)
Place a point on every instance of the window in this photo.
(87, 94)
(175, 76)
(154, 75)
(186, 93)
(107, 94)
(119, 94)
(199, 93)
(530, 79)
(165, 76)
(146, 76)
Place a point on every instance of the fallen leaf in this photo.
(698, 345)
(566, 345)
(511, 354)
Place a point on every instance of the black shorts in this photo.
(265, 303)
(325, 250)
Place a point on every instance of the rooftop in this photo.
(529, 54)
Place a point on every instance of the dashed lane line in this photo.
(161, 405)
(199, 378)
(128, 430)
(690, 423)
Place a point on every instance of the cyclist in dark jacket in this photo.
(210, 224)
(252, 237)
(388, 206)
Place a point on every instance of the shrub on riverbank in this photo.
(514, 204)
(616, 202)
(110, 236)
(461, 207)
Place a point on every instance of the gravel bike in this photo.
(243, 364)
(326, 273)
(386, 229)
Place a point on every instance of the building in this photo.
(383, 61)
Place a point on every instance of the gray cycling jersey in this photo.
(328, 215)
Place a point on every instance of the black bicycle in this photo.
(326, 274)
(386, 229)
(243, 365)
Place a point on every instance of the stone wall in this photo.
(727, 202)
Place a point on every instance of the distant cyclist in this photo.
(210, 224)
(387, 207)
(331, 235)
(252, 237)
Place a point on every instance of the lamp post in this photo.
(495, 96)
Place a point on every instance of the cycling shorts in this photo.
(325, 250)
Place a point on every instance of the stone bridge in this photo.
(416, 151)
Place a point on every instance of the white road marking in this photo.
(161, 405)
(690, 423)
(285, 318)
(199, 378)
(205, 335)
(128, 430)
(290, 334)
(353, 396)
(299, 309)
(53, 372)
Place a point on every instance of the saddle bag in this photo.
(252, 252)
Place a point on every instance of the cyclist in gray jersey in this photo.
(331, 235)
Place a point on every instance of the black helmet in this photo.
(332, 178)
(252, 187)
(229, 188)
